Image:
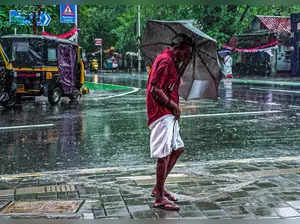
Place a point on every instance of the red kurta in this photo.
(164, 75)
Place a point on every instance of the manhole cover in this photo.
(42, 207)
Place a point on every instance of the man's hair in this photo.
(181, 39)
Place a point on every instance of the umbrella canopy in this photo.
(201, 77)
(224, 52)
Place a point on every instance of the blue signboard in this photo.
(17, 17)
(20, 18)
(68, 13)
(45, 19)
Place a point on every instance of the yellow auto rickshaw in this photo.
(34, 65)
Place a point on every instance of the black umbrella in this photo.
(201, 77)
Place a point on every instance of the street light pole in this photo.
(76, 24)
(139, 38)
(101, 56)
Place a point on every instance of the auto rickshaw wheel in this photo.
(11, 102)
(54, 96)
(75, 97)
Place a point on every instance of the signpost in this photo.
(295, 20)
(68, 14)
(17, 17)
(98, 42)
(139, 38)
(45, 19)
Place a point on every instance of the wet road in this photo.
(108, 128)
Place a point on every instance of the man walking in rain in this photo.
(163, 113)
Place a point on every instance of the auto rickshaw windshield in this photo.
(24, 52)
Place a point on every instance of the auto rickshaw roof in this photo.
(56, 39)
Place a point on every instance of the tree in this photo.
(97, 22)
(116, 25)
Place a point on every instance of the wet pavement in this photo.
(241, 159)
(253, 189)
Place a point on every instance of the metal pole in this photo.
(76, 24)
(139, 38)
(101, 59)
(15, 30)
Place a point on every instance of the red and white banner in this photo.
(70, 34)
(263, 47)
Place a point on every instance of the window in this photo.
(19, 48)
(52, 54)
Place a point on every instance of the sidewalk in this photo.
(260, 189)
(275, 80)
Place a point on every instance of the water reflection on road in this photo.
(103, 131)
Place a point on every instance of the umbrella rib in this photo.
(194, 63)
(210, 73)
(153, 44)
(202, 43)
(173, 30)
(207, 54)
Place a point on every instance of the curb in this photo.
(263, 82)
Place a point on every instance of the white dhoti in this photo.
(164, 136)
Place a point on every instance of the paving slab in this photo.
(260, 190)
(6, 193)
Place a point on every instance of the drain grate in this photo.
(42, 207)
(60, 188)
(45, 189)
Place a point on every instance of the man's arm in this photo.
(156, 89)
(158, 81)
(159, 95)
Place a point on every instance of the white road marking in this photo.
(294, 106)
(230, 114)
(27, 126)
(122, 94)
(216, 115)
(276, 90)
(251, 101)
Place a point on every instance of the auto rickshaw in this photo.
(34, 65)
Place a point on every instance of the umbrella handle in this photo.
(194, 62)
(183, 67)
